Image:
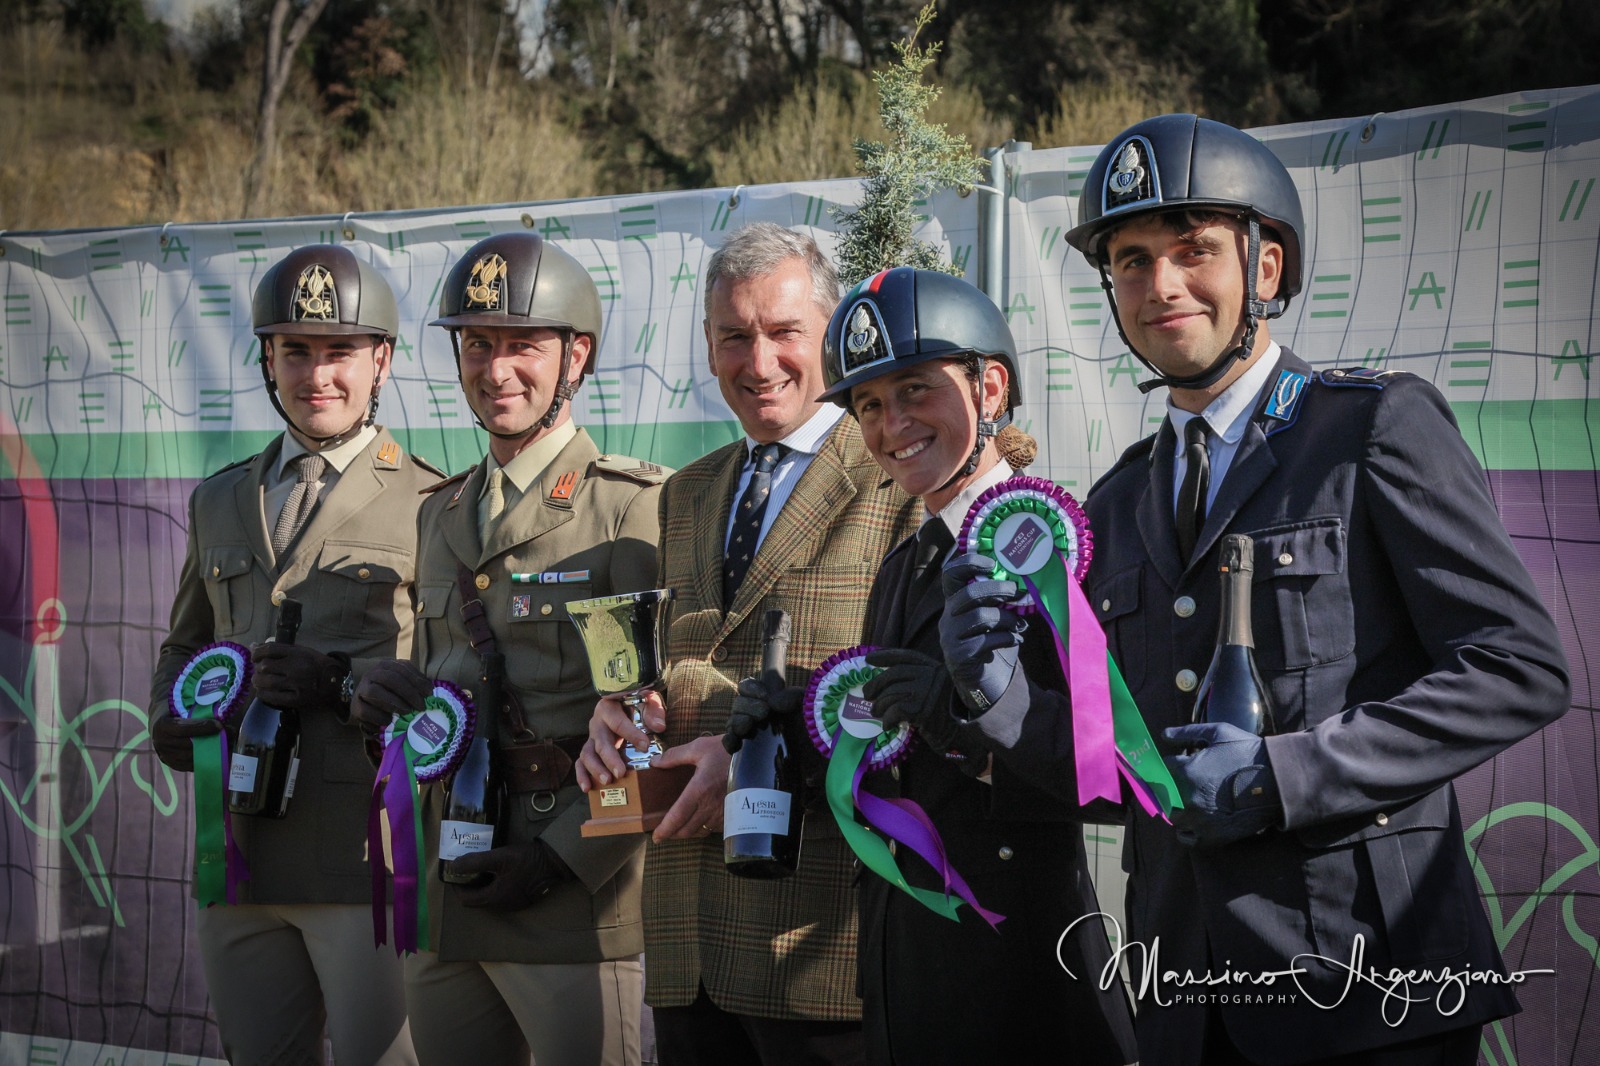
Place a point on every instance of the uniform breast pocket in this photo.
(226, 569)
(1303, 613)
(367, 580)
(540, 622)
(1115, 600)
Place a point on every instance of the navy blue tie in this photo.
(748, 515)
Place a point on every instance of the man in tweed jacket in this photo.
(741, 970)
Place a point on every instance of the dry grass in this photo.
(1094, 115)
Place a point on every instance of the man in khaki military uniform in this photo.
(545, 956)
(743, 971)
(325, 515)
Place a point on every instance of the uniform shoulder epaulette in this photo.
(451, 480)
(1365, 377)
(646, 473)
(246, 461)
(435, 471)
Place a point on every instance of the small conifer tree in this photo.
(918, 158)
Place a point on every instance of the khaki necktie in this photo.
(495, 505)
(301, 502)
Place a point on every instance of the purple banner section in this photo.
(96, 837)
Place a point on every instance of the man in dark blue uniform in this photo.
(1398, 632)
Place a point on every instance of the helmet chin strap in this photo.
(988, 429)
(1255, 309)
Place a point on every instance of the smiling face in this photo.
(764, 335)
(920, 425)
(509, 375)
(1181, 290)
(325, 383)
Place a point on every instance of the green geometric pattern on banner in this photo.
(199, 454)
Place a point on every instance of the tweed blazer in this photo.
(586, 513)
(786, 948)
(351, 568)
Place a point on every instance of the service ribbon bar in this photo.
(839, 719)
(211, 685)
(426, 745)
(1039, 537)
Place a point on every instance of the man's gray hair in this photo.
(760, 248)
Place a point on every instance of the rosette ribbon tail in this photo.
(218, 863)
(903, 821)
(1110, 739)
(395, 793)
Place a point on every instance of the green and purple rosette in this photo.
(839, 719)
(426, 745)
(1039, 538)
(211, 685)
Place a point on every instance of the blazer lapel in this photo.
(459, 523)
(249, 496)
(358, 485)
(1154, 513)
(795, 534)
(711, 525)
(538, 511)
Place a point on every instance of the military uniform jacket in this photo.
(351, 568)
(938, 991)
(785, 948)
(586, 512)
(1403, 643)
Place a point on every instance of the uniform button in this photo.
(422, 605)
(1285, 559)
(1187, 681)
(1105, 605)
(605, 458)
(1006, 853)
(1183, 606)
(216, 571)
(1382, 819)
(720, 654)
(545, 608)
(482, 581)
(363, 573)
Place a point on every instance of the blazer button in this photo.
(1382, 819)
(363, 573)
(1285, 559)
(482, 581)
(1006, 853)
(1105, 605)
(1186, 680)
(545, 608)
(719, 654)
(1183, 606)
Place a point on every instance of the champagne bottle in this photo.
(762, 813)
(266, 758)
(473, 804)
(1232, 690)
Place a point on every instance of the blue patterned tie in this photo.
(747, 517)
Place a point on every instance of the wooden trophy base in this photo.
(636, 802)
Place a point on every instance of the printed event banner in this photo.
(1460, 243)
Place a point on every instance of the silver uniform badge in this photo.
(863, 334)
(1131, 179)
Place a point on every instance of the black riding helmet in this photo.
(322, 290)
(1186, 163)
(521, 279)
(902, 317)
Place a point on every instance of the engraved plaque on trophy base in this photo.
(636, 802)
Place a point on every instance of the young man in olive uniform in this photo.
(325, 515)
(545, 955)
